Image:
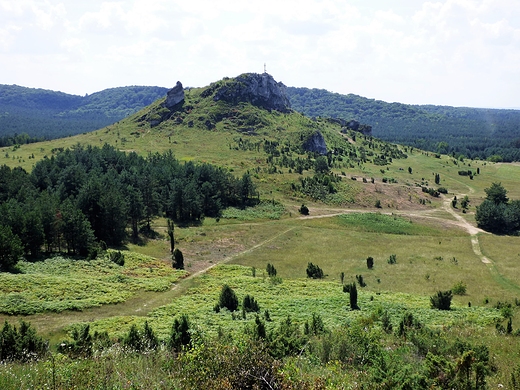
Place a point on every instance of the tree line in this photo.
(88, 196)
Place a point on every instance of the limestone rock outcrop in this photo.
(316, 144)
(174, 96)
(260, 90)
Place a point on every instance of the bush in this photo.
(352, 290)
(315, 327)
(178, 259)
(459, 288)
(313, 271)
(360, 280)
(304, 210)
(81, 344)
(20, 344)
(370, 262)
(180, 334)
(228, 298)
(117, 258)
(249, 304)
(392, 259)
(271, 271)
(441, 300)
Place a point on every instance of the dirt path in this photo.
(472, 230)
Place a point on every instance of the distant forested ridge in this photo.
(472, 132)
(87, 196)
(43, 114)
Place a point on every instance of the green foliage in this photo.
(361, 281)
(59, 284)
(370, 262)
(440, 129)
(315, 327)
(441, 300)
(496, 193)
(11, 248)
(249, 304)
(178, 259)
(22, 344)
(180, 335)
(314, 271)
(81, 344)
(384, 224)
(459, 288)
(392, 259)
(140, 341)
(266, 209)
(271, 271)
(117, 257)
(304, 210)
(228, 298)
(353, 295)
(496, 214)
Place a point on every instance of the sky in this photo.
(446, 52)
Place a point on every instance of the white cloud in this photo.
(442, 51)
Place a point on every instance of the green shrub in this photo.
(271, 271)
(178, 259)
(459, 288)
(360, 280)
(180, 335)
(392, 259)
(249, 304)
(314, 272)
(370, 262)
(117, 258)
(441, 300)
(304, 210)
(20, 344)
(81, 344)
(228, 298)
(352, 290)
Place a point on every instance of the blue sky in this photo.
(447, 52)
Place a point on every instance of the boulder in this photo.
(316, 144)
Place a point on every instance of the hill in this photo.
(223, 173)
(471, 132)
(44, 114)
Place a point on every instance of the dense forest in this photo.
(39, 113)
(472, 132)
(82, 198)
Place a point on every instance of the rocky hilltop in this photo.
(261, 90)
